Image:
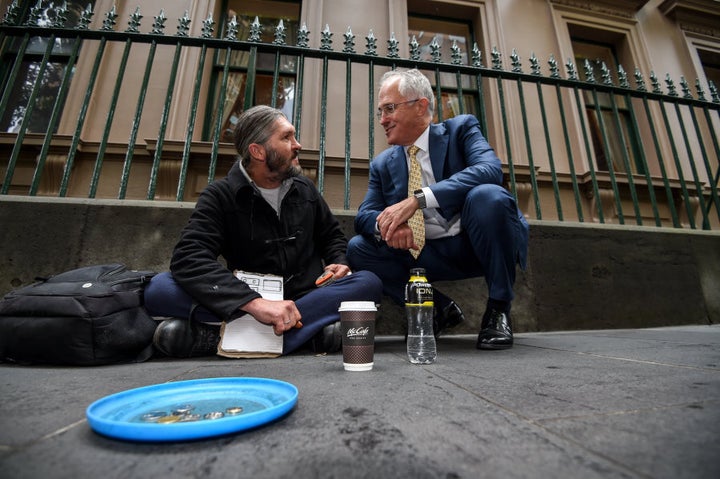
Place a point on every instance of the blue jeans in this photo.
(318, 308)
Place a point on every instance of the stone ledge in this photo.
(579, 276)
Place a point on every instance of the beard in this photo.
(282, 168)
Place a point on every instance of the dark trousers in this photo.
(164, 297)
(492, 242)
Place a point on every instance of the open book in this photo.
(245, 337)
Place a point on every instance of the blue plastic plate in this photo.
(184, 410)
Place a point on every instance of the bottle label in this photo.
(419, 293)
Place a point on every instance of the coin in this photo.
(181, 410)
(233, 410)
(190, 418)
(214, 415)
(169, 419)
(153, 416)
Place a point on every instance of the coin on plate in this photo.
(169, 419)
(153, 416)
(186, 409)
(189, 418)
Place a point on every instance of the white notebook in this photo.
(245, 337)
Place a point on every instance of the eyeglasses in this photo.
(390, 108)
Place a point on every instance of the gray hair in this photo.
(254, 125)
(412, 84)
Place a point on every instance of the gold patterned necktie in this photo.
(416, 221)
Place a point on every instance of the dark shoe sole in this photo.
(493, 347)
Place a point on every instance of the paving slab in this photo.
(592, 404)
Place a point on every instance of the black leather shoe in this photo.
(447, 317)
(182, 338)
(328, 340)
(496, 331)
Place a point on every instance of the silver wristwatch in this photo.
(420, 196)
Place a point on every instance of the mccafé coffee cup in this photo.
(357, 320)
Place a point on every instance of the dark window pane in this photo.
(49, 84)
(269, 15)
(44, 99)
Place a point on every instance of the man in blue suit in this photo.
(472, 224)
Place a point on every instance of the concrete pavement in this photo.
(586, 404)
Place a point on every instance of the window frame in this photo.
(239, 67)
(60, 59)
(613, 128)
(449, 94)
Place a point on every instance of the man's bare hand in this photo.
(338, 270)
(402, 238)
(395, 216)
(281, 315)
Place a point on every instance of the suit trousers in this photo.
(492, 242)
(318, 308)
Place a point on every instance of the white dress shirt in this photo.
(435, 225)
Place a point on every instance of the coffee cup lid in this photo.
(357, 306)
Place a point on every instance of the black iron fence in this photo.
(578, 142)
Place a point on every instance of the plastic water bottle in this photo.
(421, 347)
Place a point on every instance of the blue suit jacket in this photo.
(461, 159)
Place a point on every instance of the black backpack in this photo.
(87, 316)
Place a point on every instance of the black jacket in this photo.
(231, 219)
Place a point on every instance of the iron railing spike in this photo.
(371, 44)
(476, 56)
(554, 69)
(85, 18)
(456, 54)
(303, 37)
(183, 25)
(134, 22)
(349, 41)
(11, 14)
(280, 34)
(700, 91)
(435, 53)
(515, 61)
(255, 31)
(158, 27)
(232, 29)
(672, 90)
(326, 38)
(713, 92)
(34, 14)
(534, 64)
(655, 83)
(393, 47)
(414, 49)
(110, 19)
(208, 27)
(496, 59)
(685, 88)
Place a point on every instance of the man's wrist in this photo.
(420, 197)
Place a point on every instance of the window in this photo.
(428, 28)
(609, 132)
(710, 61)
(236, 99)
(444, 33)
(31, 67)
